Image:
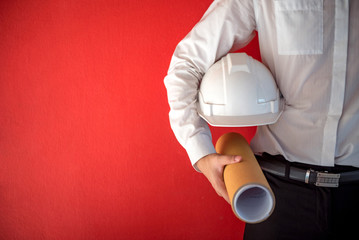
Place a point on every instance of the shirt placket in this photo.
(338, 81)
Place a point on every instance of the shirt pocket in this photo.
(299, 25)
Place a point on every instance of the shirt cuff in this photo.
(199, 146)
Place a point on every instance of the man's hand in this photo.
(212, 167)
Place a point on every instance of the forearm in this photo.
(190, 130)
(226, 26)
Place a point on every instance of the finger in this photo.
(225, 197)
(221, 191)
(226, 159)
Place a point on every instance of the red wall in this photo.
(86, 150)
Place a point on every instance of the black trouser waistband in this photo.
(310, 174)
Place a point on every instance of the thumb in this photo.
(227, 159)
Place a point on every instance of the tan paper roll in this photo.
(251, 197)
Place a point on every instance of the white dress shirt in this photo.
(312, 49)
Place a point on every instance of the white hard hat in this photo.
(239, 91)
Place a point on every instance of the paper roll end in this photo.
(253, 203)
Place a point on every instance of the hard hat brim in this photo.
(242, 121)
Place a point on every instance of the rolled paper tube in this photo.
(251, 197)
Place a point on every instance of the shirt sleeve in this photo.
(226, 26)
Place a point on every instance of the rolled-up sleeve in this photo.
(226, 26)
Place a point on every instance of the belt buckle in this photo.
(323, 179)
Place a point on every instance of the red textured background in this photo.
(86, 150)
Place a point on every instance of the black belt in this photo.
(283, 168)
